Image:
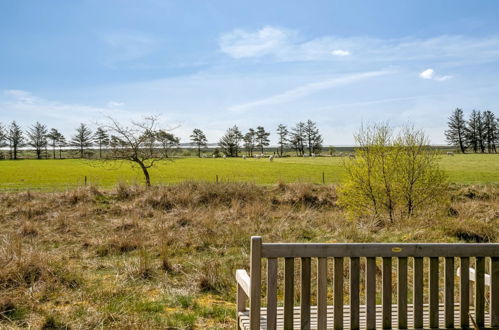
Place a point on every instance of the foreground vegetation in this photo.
(165, 257)
(61, 174)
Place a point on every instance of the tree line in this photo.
(303, 138)
(479, 133)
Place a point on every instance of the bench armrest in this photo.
(243, 280)
(473, 276)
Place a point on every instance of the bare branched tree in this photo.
(137, 143)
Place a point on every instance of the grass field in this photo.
(59, 174)
(165, 257)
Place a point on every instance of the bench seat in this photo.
(244, 322)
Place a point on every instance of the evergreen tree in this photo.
(262, 138)
(82, 139)
(250, 141)
(312, 137)
(456, 134)
(199, 139)
(3, 139)
(37, 138)
(167, 141)
(297, 138)
(282, 133)
(61, 142)
(54, 136)
(230, 142)
(490, 127)
(15, 138)
(472, 130)
(101, 138)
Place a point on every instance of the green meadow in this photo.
(67, 173)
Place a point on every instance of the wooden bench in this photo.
(423, 299)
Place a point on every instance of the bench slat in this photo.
(418, 292)
(449, 292)
(289, 292)
(402, 292)
(315, 250)
(434, 292)
(464, 288)
(480, 291)
(272, 293)
(354, 292)
(255, 278)
(305, 293)
(322, 294)
(387, 292)
(338, 292)
(494, 291)
(371, 293)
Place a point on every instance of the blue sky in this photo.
(213, 64)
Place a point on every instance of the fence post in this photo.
(85, 180)
(323, 178)
(217, 178)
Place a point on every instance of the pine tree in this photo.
(167, 141)
(55, 137)
(282, 132)
(313, 138)
(101, 138)
(456, 134)
(15, 138)
(3, 139)
(230, 142)
(61, 142)
(199, 139)
(250, 141)
(262, 138)
(82, 139)
(37, 138)
(472, 129)
(490, 127)
(298, 137)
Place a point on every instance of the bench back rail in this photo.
(363, 263)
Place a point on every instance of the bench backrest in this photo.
(362, 261)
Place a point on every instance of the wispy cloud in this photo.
(20, 96)
(290, 45)
(305, 90)
(26, 108)
(429, 74)
(114, 104)
(128, 46)
(266, 41)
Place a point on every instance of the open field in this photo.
(60, 174)
(130, 258)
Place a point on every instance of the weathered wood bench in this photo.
(447, 301)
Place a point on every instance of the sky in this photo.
(214, 64)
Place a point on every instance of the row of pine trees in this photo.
(304, 138)
(479, 133)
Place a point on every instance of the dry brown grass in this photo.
(165, 257)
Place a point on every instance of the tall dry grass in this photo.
(165, 257)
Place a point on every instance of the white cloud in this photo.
(340, 52)
(290, 45)
(114, 104)
(267, 40)
(427, 74)
(306, 90)
(26, 108)
(430, 74)
(20, 96)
